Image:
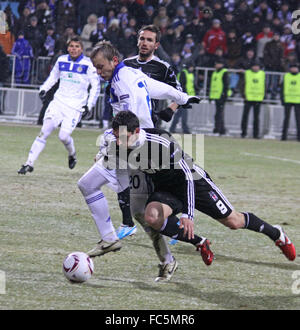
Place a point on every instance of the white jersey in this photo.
(75, 78)
(133, 90)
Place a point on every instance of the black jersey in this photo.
(159, 155)
(158, 70)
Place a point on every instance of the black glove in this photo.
(166, 114)
(42, 95)
(191, 100)
(85, 111)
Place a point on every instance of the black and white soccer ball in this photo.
(78, 267)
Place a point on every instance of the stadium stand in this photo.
(238, 31)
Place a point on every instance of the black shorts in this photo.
(209, 199)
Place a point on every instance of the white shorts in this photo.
(117, 180)
(64, 115)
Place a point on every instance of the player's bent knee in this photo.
(64, 137)
(234, 221)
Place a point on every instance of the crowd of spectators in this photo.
(241, 31)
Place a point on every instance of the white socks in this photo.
(98, 206)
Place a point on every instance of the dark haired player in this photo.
(180, 186)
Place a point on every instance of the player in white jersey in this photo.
(71, 101)
(130, 90)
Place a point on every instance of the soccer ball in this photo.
(78, 267)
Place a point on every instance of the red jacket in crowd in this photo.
(213, 39)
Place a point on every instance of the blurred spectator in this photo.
(123, 17)
(284, 14)
(170, 5)
(33, 34)
(202, 59)
(228, 22)
(255, 25)
(273, 54)
(113, 32)
(242, 16)
(162, 15)
(176, 62)
(23, 21)
(88, 7)
(215, 38)
(234, 48)
(24, 54)
(246, 61)
(99, 34)
(287, 40)
(66, 15)
(44, 15)
(132, 24)
(149, 15)
(195, 29)
(188, 47)
(264, 11)
(188, 9)
(262, 38)
(111, 15)
(7, 40)
(276, 25)
(4, 73)
(180, 18)
(248, 42)
(127, 44)
(87, 30)
(273, 61)
(30, 4)
(49, 43)
(11, 19)
(290, 59)
(64, 39)
(218, 10)
(136, 10)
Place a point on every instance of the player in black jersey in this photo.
(180, 186)
(154, 67)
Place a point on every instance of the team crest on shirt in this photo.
(79, 69)
(213, 196)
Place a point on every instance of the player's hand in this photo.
(191, 100)
(188, 227)
(85, 111)
(42, 95)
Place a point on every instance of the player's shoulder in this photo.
(160, 62)
(155, 133)
(129, 60)
(63, 57)
(127, 74)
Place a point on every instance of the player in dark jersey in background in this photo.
(154, 67)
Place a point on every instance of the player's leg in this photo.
(49, 125)
(168, 263)
(90, 186)
(160, 215)
(210, 200)
(70, 120)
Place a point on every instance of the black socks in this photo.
(124, 203)
(252, 222)
(172, 230)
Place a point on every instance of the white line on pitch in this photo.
(272, 157)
